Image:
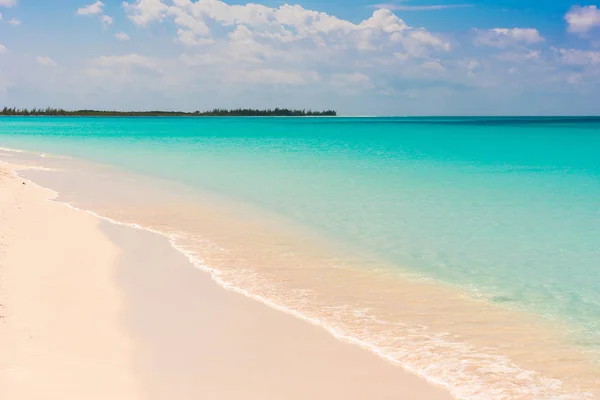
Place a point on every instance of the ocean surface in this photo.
(466, 250)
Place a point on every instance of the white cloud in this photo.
(46, 61)
(14, 22)
(582, 19)
(8, 3)
(577, 57)
(122, 36)
(245, 46)
(3, 49)
(96, 9)
(400, 7)
(420, 39)
(504, 37)
(286, 24)
(106, 20)
(143, 12)
(91, 9)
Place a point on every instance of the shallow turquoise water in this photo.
(507, 208)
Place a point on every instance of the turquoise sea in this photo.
(502, 212)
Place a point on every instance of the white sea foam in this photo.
(11, 150)
(35, 168)
(18, 167)
(37, 153)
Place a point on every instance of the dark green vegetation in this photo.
(240, 112)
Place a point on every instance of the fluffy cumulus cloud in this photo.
(583, 19)
(202, 22)
(3, 49)
(96, 9)
(91, 9)
(291, 45)
(505, 37)
(143, 12)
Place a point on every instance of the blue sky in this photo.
(411, 57)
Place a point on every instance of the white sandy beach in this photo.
(93, 310)
(60, 335)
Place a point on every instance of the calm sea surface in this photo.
(465, 249)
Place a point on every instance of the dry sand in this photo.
(60, 333)
(93, 310)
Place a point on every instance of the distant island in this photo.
(217, 112)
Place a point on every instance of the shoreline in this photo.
(440, 373)
(353, 370)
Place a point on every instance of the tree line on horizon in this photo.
(217, 112)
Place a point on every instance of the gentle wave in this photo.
(455, 365)
(10, 150)
(36, 153)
